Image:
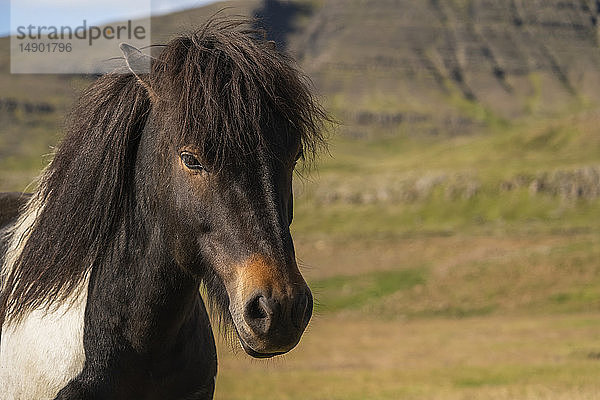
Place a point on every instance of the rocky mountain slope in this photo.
(450, 65)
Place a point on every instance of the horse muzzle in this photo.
(271, 325)
(270, 304)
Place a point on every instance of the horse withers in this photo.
(165, 181)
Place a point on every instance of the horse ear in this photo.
(137, 62)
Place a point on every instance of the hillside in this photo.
(444, 66)
(431, 66)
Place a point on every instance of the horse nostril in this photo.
(258, 314)
(267, 316)
(302, 310)
(257, 309)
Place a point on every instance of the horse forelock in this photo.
(226, 88)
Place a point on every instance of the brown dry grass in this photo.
(465, 275)
(412, 344)
(550, 357)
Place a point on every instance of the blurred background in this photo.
(451, 237)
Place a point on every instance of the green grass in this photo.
(483, 214)
(454, 276)
(524, 146)
(343, 292)
(486, 182)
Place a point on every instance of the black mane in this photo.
(222, 86)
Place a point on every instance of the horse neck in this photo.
(141, 286)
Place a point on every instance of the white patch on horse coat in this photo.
(43, 351)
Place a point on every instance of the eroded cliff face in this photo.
(448, 66)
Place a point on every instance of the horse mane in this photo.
(81, 197)
(219, 87)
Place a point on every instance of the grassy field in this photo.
(439, 317)
(542, 357)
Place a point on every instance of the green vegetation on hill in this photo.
(541, 175)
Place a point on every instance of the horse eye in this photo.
(190, 161)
